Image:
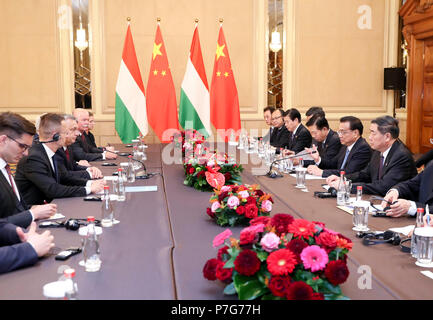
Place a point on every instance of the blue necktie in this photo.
(55, 167)
(345, 158)
(379, 174)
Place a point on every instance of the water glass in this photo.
(300, 177)
(424, 247)
(360, 215)
(114, 183)
(125, 167)
(348, 186)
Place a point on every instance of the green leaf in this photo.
(262, 255)
(271, 297)
(230, 289)
(249, 288)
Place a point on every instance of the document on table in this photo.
(309, 177)
(141, 189)
(404, 230)
(56, 216)
(349, 208)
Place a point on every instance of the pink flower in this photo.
(233, 202)
(267, 206)
(216, 205)
(219, 239)
(244, 194)
(330, 231)
(314, 258)
(226, 189)
(270, 242)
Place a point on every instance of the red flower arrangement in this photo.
(237, 204)
(301, 261)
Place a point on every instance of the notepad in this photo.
(141, 189)
(309, 177)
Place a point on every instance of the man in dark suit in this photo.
(280, 134)
(88, 133)
(352, 157)
(67, 156)
(81, 149)
(267, 116)
(325, 140)
(16, 136)
(390, 164)
(19, 249)
(300, 137)
(39, 177)
(313, 111)
(412, 194)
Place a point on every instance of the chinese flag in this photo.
(224, 100)
(161, 96)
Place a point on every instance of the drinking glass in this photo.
(348, 186)
(300, 177)
(424, 247)
(360, 215)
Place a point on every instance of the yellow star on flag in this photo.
(163, 73)
(226, 74)
(218, 73)
(155, 72)
(220, 51)
(157, 50)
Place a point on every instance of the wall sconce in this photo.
(275, 44)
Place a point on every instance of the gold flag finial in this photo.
(196, 20)
(128, 19)
(158, 19)
(221, 20)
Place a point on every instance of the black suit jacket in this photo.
(90, 138)
(280, 137)
(11, 209)
(418, 189)
(425, 159)
(300, 140)
(83, 151)
(70, 165)
(357, 160)
(329, 150)
(398, 166)
(38, 182)
(13, 253)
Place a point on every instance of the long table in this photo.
(164, 239)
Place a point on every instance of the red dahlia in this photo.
(224, 274)
(281, 221)
(299, 290)
(247, 236)
(251, 200)
(281, 262)
(302, 228)
(227, 176)
(210, 213)
(221, 252)
(279, 285)
(209, 269)
(240, 210)
(260, 220)
(247, 263)
(201, 174)
(296, 246)
(327, 240)
(222, 196)
(251, 211)
(336, 272)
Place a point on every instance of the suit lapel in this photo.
(388, 159)
(47, 161)
(6, 186)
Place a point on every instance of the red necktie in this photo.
(8, 169)
(67, 154)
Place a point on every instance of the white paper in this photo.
(304, 155)
(110, 178)
(404, 230)
(56, 216)
(141, 189)
(309, 177)
(428, 274)
(326, 187)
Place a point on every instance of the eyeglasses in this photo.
(276, 118)
(23, 146)
(343, 132)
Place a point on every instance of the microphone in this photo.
(273, 174)
(143, 176)
(332, 193)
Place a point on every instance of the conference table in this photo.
(164, 238)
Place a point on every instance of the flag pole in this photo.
(196, 22)
(221, 22)
(158, 20)
(129, 20)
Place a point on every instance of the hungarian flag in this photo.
(224, 100)
(130, 118)
(161, 96)
(194, 108)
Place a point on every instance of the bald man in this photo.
(81, 149)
